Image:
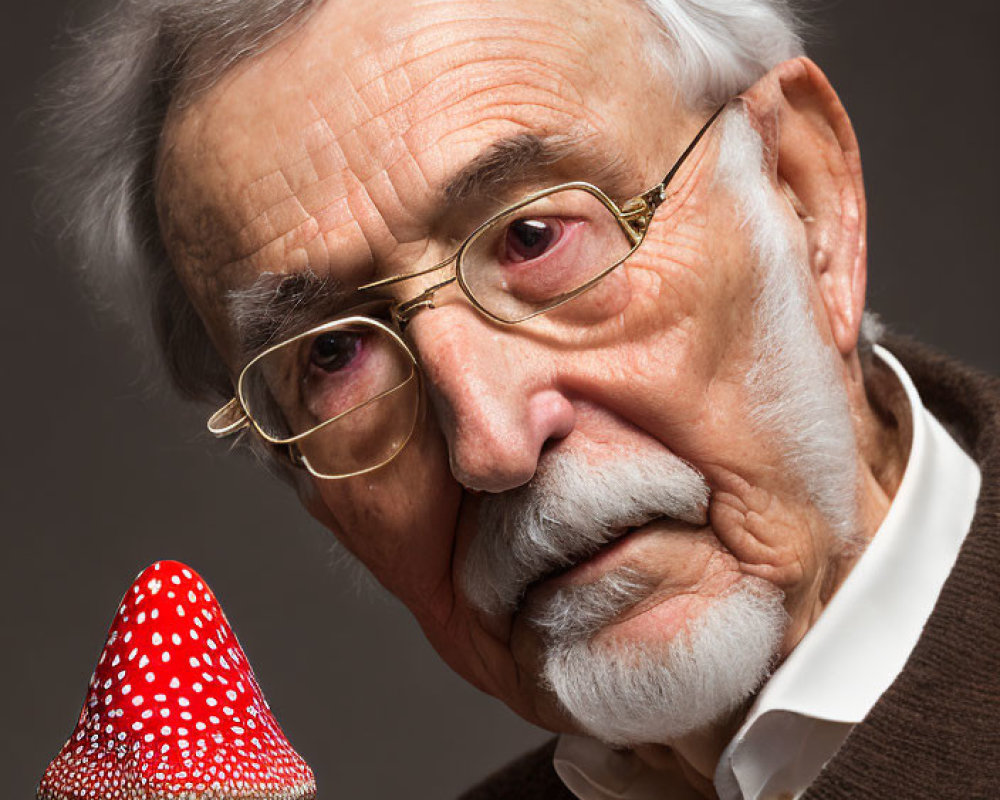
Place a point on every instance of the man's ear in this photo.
(813, 156)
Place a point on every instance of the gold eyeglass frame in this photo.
(634, 216)
(233, 416)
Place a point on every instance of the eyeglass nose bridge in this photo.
(403, 312)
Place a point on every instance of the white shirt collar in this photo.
(850, 656)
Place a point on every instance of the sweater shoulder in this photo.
(529, 777)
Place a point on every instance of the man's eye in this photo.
(333, 351)
(527, 239)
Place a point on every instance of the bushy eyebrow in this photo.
(504, 163)
(275, 307)
(520, 159)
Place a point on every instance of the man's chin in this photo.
(668, 666)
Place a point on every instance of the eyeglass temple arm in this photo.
(229, 419)
(644, 206)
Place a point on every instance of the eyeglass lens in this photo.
(531, 258)
(351, 386)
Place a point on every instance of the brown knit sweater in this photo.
(935, 733)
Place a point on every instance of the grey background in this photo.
(101, 477)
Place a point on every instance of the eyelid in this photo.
(474, 211)
(374, 307)
(303, 352)
(541, 207)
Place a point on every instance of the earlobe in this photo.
(813, 158)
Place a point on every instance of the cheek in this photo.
(773, 534)
(693, 336)
(400, 521)
(675, 364)
(695, 273)
(606, 300)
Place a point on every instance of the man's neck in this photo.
(695, 755)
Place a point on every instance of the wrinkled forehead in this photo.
(331, 151)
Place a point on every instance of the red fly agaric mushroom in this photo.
(174, 711)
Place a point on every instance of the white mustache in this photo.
(567, 512)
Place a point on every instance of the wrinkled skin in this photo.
(329, 151)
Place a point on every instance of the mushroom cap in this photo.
(174, 711)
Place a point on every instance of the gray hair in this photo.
(104, 117)
(107, 113)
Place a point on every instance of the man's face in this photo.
(329, 153)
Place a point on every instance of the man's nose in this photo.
(495, 393)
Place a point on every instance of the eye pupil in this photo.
(528, 238)
(333, 351)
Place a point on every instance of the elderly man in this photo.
(552, 313)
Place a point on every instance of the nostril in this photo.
(492, 472)
(503, 451)
(496, 406)
(553, 417)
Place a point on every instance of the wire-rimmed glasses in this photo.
(344, 397)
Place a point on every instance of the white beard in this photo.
(629, 693)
